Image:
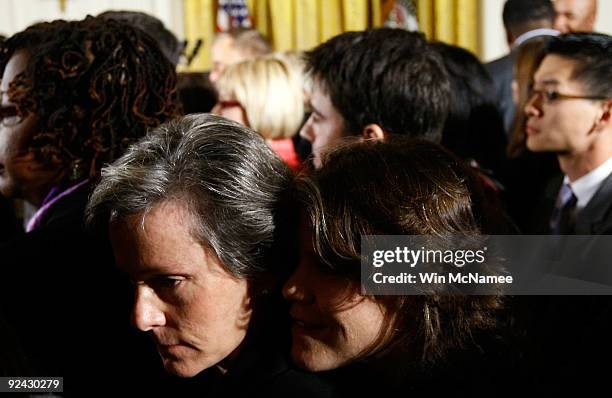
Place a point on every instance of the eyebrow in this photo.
(315, 110)
(548, 82)
(135, 272)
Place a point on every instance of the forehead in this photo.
(556, 70)
(564, 5)
(320, 98)
(572, 6)
(161, 237)
(222, 42)
(224, 49)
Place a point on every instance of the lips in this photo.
(307, 323)
(168, 346)
(530, 130)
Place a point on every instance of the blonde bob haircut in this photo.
(270, 91)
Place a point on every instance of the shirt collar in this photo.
(533, 33)
(586, 186)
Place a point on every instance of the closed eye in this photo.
(166, 282)
(315, 117)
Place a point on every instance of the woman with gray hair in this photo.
(194, 213)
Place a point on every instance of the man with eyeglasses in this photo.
(569, 114)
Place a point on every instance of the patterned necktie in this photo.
(563, 217)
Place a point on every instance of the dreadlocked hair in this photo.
(95, 86)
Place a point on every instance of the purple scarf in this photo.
(52, 197)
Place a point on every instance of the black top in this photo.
(68, 305)
(63, 298)
(261, 370)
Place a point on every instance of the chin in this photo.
(182, 369)
(313, 361)
(533, 147)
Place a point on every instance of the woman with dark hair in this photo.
(75, 95)
(474, 128)
(532, 178)
(433, 342)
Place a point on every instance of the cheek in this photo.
(356, 321)
(325, 133)
(14, 147)
(350, 335)
(331, 133)
(222, 314)
(9, 145)
(574, 124)
(360, 326)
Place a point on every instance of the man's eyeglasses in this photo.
(551, 96)
(10, 116)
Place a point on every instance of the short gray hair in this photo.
(231, 182)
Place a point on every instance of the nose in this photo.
(561, 23)
(530, 107)
(147, 313)
(306, 130)
(291, 291)
(296, 287)
(213, 76)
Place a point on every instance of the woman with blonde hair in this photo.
(265, 94)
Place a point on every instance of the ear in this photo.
(606, 116)
(373, 131)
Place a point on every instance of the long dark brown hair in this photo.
(398, 188)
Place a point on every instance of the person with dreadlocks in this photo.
(74, 96)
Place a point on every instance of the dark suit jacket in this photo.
(501, 73)
(570, 335)
(596, 217)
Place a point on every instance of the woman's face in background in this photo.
(333, 324)
(21, 174)
(232, 110)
